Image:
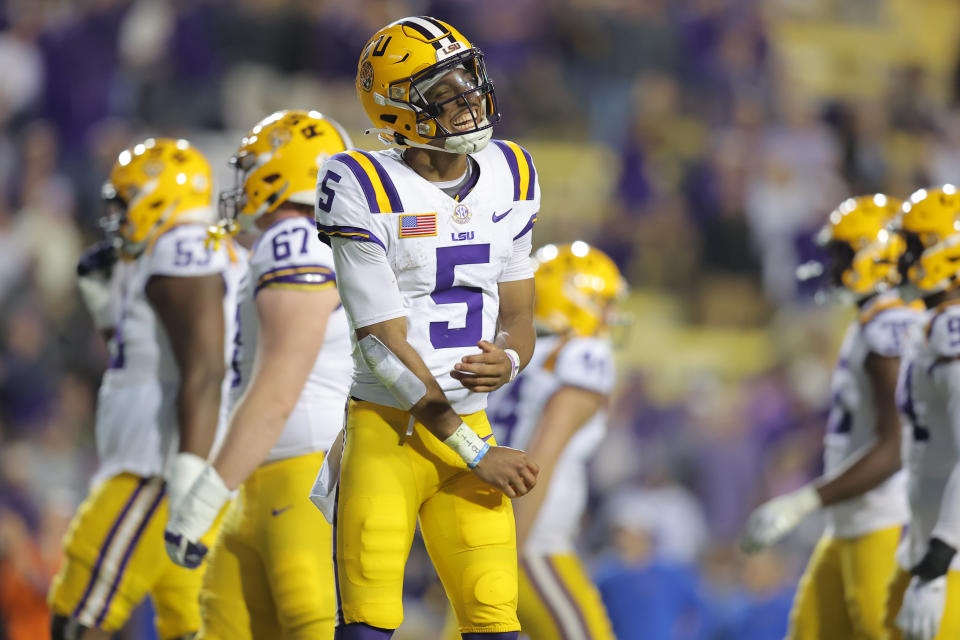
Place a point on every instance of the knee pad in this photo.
(490, 585)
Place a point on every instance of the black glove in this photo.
(98, 257)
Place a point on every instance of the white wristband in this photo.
(468, 445)
(514, 363)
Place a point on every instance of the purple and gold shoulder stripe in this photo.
(305, 278)
(350, 233)
(522, 169)
(377, 186)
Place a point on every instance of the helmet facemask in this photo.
(232, 201)
(460, 80)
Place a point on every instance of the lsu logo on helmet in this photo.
(277, 161)
(153, 186)
(399, 65)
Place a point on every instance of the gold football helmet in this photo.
(277, 161)
(576, 284)
(929, 223)
(863, 253)
(153, 186)
(399, 65)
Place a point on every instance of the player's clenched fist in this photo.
(509, 470)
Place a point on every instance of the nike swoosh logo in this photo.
(498, 218)
(277, 512)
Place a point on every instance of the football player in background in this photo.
(556, 411)
(168, 309)
(842, 592)
(270, 574)
(431, 244)
(927, 580)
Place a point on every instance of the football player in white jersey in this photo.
(842, 592)
(927, 581)
(159, 405)
(431, 242)
(270, 574)
(556, 410)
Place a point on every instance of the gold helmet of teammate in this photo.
(277, 161)
(152, 187)
(863, 253)
(929, 223)
(575, 284)
(397, 69)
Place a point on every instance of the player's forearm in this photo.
(875, 466)
(947, 528)
(515, 319)
(254, 429)
(518, 335)
(429, 405)
(198, 411)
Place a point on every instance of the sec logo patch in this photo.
(461, 214)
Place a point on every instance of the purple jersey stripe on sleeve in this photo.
(314, 279)
(527, 227)
(388, 186)
(351, 233)
(362, 178)
(318, 268)
(514, 169)
(532, 182)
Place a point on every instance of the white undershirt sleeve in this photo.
(368, 287)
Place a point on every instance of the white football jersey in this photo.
(136, 424)
(928, 397)
(289, 255)
(515, 409)
(447, 253)
(881, 328)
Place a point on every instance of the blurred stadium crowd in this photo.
(697, 142)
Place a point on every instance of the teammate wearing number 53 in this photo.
(431, 243)
(171, 320)
(842, 592)
(270, 574)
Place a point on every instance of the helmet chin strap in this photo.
(469, 142)
(463, 143)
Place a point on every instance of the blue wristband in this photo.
(483, 452)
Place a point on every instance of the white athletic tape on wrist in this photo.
(468, 445)
(514, 363)
(404, 384)
(183, 470)
(199, 509)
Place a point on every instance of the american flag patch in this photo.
(418, 225)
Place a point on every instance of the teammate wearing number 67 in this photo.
(270, 574)
(431, 243)
(842, 592)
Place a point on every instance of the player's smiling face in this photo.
(456, 115)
